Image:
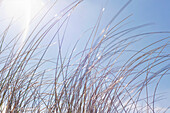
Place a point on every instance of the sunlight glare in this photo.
(24, 10)
(17, 8)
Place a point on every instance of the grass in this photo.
(94, 79)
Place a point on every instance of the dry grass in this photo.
(97, 79)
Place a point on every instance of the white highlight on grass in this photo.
(23, 10)
(103, 9)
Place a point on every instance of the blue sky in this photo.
(144, 12)
(85, 16)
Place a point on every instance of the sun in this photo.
(22, 10)
(17, 8)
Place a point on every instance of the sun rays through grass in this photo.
(103, 71)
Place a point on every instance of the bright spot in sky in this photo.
(24, 10)
(17, 8)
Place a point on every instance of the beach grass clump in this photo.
(108, 73)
